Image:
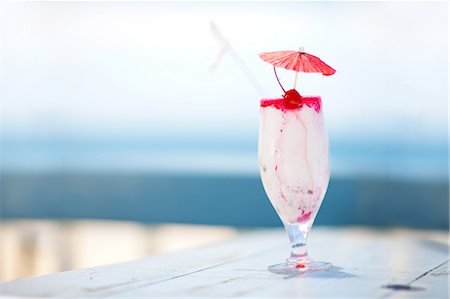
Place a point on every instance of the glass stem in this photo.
(297, 236)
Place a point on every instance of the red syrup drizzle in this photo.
(300, 266)
(310, 101)
(304, 216)
(278, 145)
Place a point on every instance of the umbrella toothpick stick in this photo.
(301, 50)
(295, 80)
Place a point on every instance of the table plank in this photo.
(106, 280)
(365, 269)
(367, 263)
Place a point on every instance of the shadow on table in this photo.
(334, 272)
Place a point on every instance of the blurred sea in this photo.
(207, 181)
(355, 157)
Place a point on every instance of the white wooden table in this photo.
(367, 264)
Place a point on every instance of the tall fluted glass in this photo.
(295, 171)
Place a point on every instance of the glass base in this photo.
(295, 268)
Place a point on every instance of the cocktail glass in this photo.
(295, 171)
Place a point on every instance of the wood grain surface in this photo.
(366, 264)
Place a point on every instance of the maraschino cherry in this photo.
(292, 99)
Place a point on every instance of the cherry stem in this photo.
(278, 79)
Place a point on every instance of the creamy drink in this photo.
(293, 157)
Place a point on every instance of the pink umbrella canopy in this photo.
(298, 61)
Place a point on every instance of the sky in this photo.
(142, 69)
